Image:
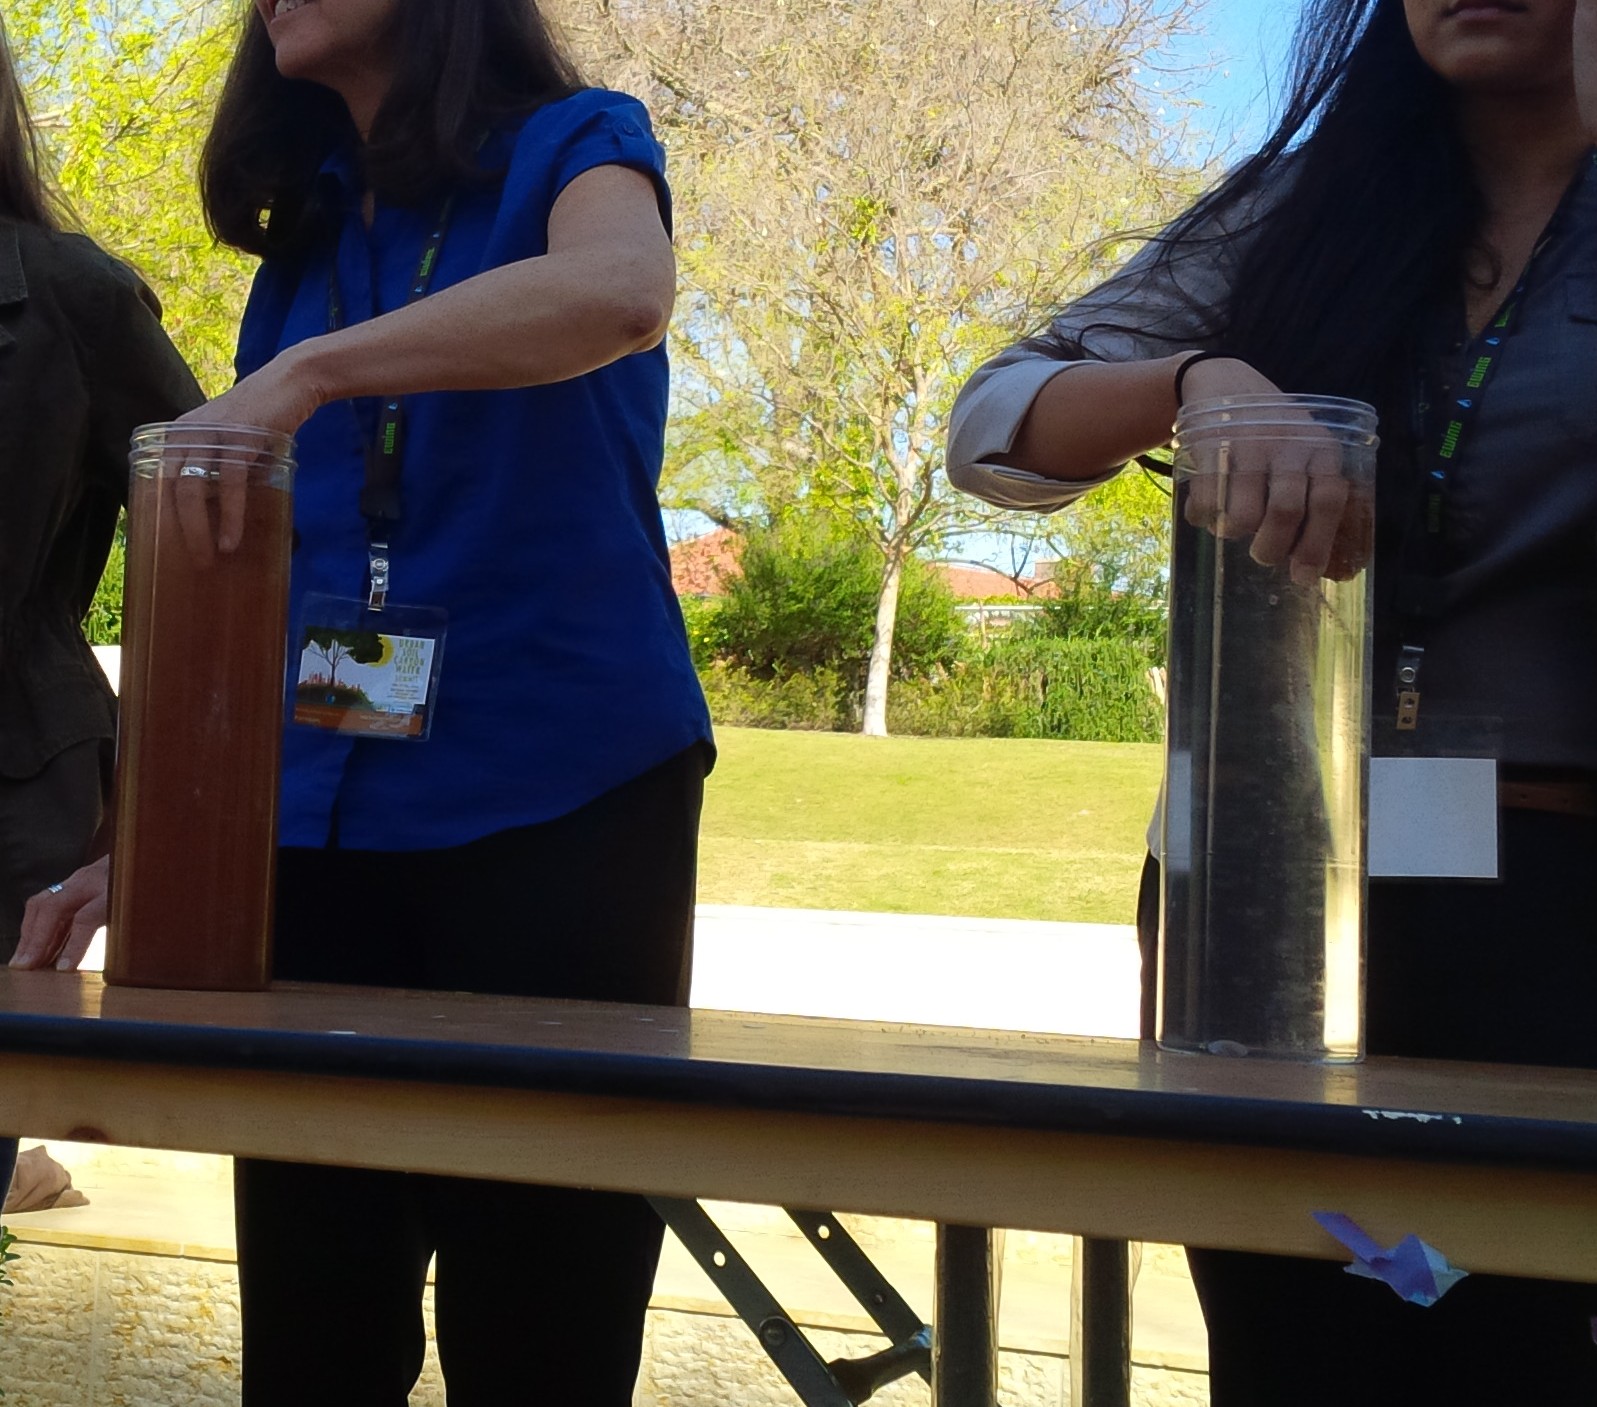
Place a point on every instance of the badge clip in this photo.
(1408, 696)
(378, 558)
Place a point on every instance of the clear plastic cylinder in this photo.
(1261, 946)
(199, 742)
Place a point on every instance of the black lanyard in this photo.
(381, 502)
(1443, 430)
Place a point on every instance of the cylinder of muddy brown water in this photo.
(199, 743)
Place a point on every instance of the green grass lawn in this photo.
(986, 827)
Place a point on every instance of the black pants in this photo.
(540, 1292)
(1459, 971)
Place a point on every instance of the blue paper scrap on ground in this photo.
(1416, 1272)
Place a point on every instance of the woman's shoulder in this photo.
(77, 271)
(590, 119)
(561, 140)
(70, 257)
(583, 108)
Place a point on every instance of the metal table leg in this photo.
(909, 1335)
(1100, 1324)
(965, 1335)
(841, 1382)
(779, 1336)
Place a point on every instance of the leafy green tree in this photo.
(1116, 539)
(872, 196)
(123, 92)
(1110, 565)
(805, 600)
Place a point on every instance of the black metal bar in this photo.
(863, 1377)
(1100, 1324)
(779, 1336)
(875, 1293)
(965, 1340)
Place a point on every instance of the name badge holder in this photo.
(373, 673)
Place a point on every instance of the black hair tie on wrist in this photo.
(1189, 363)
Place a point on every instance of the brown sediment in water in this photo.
(199, 746)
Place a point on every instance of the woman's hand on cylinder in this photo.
(60, 922)
(209, 491)
(1287, 493)
(281, 396)
(1211, 378)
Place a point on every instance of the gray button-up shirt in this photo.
(1511, 664)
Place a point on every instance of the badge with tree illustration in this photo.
(355, 677)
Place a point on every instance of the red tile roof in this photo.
(699, 564)
(970, 583)
(976, 583)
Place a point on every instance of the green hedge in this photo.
(1037, 687)
(1020, 687)
(817, 702)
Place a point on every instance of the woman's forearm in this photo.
(603, 291)
(526, 324)
(1095, 416)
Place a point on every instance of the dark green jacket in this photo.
(83, 361)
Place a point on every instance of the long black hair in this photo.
(1360, 208)
(1382, 208)
(24, 195)
(460, 66)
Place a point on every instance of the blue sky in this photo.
(1237, 65)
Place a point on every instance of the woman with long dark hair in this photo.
(1430, 176)
(83, 361)
(465, 283)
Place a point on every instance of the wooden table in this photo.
(1495, 1166)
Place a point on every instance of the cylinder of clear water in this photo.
(1261, 946)
(199, 741)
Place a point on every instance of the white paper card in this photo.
(1433, 817)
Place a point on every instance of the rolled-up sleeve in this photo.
(985, 420)
(1153, 307)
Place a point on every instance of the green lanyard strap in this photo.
(1445, 428)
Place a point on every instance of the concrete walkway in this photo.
(1000, 974)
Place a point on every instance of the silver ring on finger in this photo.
(54, 888)
(194, 471)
